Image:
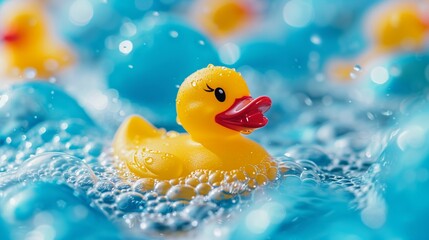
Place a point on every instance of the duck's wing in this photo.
(155, 164)
(132, 132)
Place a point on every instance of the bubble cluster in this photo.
(318, 150)
(154, 203)
(328, 152)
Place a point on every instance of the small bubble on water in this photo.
(174, 34)
(387, 113)
(315, 39)
(128, 29)
(357, 68)
(126, 47)
(308, 101)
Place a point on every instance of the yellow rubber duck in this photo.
(28, 45)
(214, 106)
(401, 27)
(224, 17)
(392, 28)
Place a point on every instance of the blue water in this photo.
(351, 161)
(338, 176)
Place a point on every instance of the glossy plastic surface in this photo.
(154, 153)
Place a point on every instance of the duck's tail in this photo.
(132, 132)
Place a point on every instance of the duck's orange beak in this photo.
(246, 114)
(10, 36)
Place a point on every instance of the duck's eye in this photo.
(220, 94)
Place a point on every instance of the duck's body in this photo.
(214, 122)
(155, 153)
(44, 59)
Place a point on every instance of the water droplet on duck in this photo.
(210, 65)
(172, 134)
(178, 121)
(247, 131)
(194, 83)
(148, 160)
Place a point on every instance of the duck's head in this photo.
(215, 102)
(23, 26)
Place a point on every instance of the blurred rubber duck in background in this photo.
(225, 17)
(322, 29)
(30, 49)
(392, 28)
(214, 106)
(401, 27)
